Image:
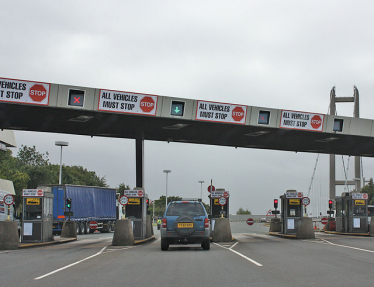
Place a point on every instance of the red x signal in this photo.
(77, 100)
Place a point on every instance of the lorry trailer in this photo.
(92, 208)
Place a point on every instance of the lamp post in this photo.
(167, 171)
(61, 144)
(201, 182)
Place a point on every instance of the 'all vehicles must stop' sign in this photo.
(128, 103)
(221, 112)
(24, 92)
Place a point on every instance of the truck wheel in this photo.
(86, 228)
(82, 228)
(164, 244)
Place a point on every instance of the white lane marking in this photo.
(350, 247)
(238, 253)
(70, 265)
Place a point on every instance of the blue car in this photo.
(185, 222)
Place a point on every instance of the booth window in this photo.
(338, 125)
(33, 211)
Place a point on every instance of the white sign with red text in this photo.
(134, 193)
(24, 92)
(32, 192)
(128, 103)
(220, 112)
(360, 196)
(301, 121)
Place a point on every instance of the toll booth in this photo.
(292, 211)
(219, 207)
(37, 216)
(136, 210)
(352, 213)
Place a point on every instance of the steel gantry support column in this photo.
(356, 112)
(139, 146)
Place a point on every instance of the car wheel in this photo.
(206, 244)
(164, 244)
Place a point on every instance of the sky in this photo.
(274, 54)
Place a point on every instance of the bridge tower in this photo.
(357, 159)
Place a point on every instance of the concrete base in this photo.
(9, 239)
(222, 230)
(69, 230)
(149, 228)
(123, 234)
(371, 227)
(275, 225)
(305, 229)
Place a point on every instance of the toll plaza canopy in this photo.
(45, 107)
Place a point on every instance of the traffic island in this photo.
(69, 230)
(9, 239)
(222, 230)
(123, 234)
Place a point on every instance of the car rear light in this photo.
(164, 223)
(206, 223)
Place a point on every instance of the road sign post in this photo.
(8, 200)
(222, 201)
(305, 201)
(124, 200)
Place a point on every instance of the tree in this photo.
(30, 156)
(31, 169)
(242, 211)
(369, 189)
(121, 188)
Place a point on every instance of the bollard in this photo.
(123, 234)
(222, 230)
(9, 239)
(69, 229)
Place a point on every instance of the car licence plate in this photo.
(185, 225)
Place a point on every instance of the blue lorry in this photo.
(94, 208)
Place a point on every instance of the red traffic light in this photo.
(275, 203)
(330, 204)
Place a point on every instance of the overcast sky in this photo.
(275, 54)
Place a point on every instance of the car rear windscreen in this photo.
(185, 208)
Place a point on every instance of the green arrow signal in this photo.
(177, 110)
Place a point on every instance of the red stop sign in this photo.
(238, 114)
(147, 104)
(324, 220)
(93, 224)
(250, 221)
(211, 188)
(38, 93)
(316, 122)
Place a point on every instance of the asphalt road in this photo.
(253, 259)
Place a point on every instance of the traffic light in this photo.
(330, 204)
(68, 203)
(275, 203)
